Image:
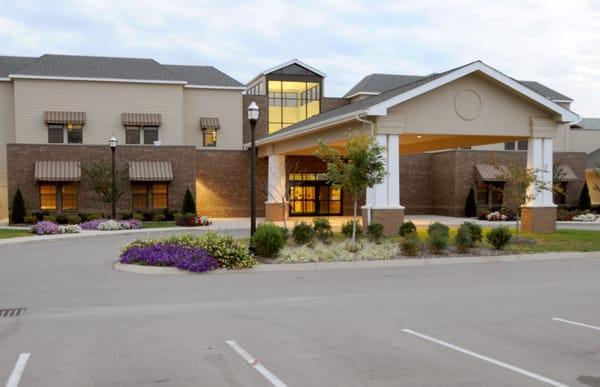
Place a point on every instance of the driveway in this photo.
(446, 325)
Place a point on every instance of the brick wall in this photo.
(22, 157)
(262, 125)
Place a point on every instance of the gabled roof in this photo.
(95, 67)
(285, 64)
(546, 91)
(10, 64)
(588, 123)
(204, 76)
(377, 105)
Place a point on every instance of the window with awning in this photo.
(150, 171)
(57, 171)
(209, 126)
(57, 122)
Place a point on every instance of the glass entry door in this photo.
(311, 195)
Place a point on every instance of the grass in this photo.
(11, 233)
(158, 224)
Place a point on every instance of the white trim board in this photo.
(241, 88)
(59, 78)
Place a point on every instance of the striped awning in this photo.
(57, 171)
(150, 171)
(491, 172)
(564, 173)
(141, 119)
(209, 123)
(64, 118)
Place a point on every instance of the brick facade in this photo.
(22, 157)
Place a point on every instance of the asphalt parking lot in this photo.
(494, 324)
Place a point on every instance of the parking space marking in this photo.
(488, 359)
(15, 376)
(576, 323)
(256, 364)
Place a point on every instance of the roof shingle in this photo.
(203, 76)
(10, 64)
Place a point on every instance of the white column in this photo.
(539, 159)
(276, 179)
(387, 194)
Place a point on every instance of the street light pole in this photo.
(113, 147)
(253, 114)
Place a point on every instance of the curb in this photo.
(315, 266)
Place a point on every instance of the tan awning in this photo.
(64, 118)
(150, 171)
(57, 171)
(564, 173)
(209, 123)
(141, 119)
(491, 172)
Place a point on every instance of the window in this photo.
(150, 196)
(209, 137)
(291, 102)
(55, 134)
(489, 194)
(559, 193)
(509, 145)
(132, 135)
(150, 134)
(522, 145)
(53, 194)
(74, 133)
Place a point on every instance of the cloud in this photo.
(554, 42)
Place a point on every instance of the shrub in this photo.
(110, 225)
(322, 229)
(585, 202)
(230, 253)
(268, 240)
(17, 209)
(158, 217)
(29, 219)
(189, 205)
(168, 214)
(438, 228)
(73, 219)
(476, 232)
(285, 233)
(44, 228)
(384, 250)
(407, 228)
(94, 217)
(39, 215)
(191, 220)
(410, 244)
(69, 229)
(138, 215)
(347, 228)
(62, 219)
(499, 237)
(470, 204)
(303, 233)
(195, 259)
(375, 232)
(463, 239)
(437, 241)
(49, 218)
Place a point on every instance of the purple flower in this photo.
(45, 228)
(132, 224)
(92, 224)
(194, 259)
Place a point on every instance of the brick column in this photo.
(276, 195)
(383, 200)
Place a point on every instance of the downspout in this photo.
(372, 125)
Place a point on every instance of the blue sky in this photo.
(554, 42)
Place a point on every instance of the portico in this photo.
(470, 105)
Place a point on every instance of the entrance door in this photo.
(312, 195)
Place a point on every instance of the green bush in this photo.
(438, 228)
(375, 232)
(322, 229)
(303, 233)
(407, 228)
(62, 219)
(499, 237)
(168, 214)
(189, 205)
(158, 217)
(585, 203)
(49, 218)
(285, 233)
(29, 219)
(17, 209)
(476, 232)
(470, 204)
(410, 244)
(138, 216)
(437, 242)
(347, 229)
(94, 217)
(73, 219)
(463, 239)
(268, 240)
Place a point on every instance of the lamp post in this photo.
(113, 146)
(253, 114)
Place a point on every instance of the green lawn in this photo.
(158, 224)
(10, 233)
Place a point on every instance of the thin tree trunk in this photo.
(354, 220)
(283, 215)
(517, 225)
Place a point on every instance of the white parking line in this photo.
(576, 323)
(488, 359)
(256, 364)
(15, 376)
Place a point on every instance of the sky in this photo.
(554, 42)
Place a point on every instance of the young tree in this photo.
(362, 166)
(282, 194)
(517, 180)
(189, 205)
(17, 209)
(97, 176)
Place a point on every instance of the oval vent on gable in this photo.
(467, 104)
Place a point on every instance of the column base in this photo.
(274, 213)
(540, 220)
(391, 218)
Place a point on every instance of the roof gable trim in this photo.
(60, 78)
(215, 87)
